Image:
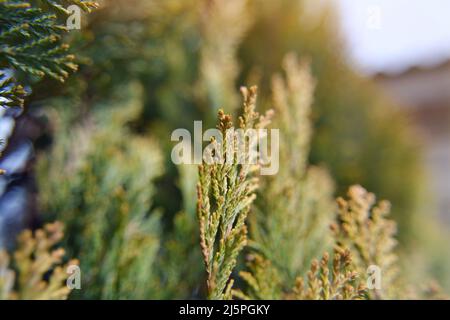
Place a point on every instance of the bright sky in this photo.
(392, 35)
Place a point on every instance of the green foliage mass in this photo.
(111, 224)
(186, 67)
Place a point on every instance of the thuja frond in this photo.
(224, 194)
(30, 37)
(363, 227)
(38, 271)
(292, 230)
(325, 282)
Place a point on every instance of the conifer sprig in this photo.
(363, 227)
(224, 194)
(338, 282)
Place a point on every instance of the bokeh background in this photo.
(381, 119)
(403, 46)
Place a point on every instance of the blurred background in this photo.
(404, 47)
(381, 119)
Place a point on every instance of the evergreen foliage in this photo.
(225, 193)
(181, 266)
(111, 224)
(142, 227)
(37, 271)
(335, 283)
(363, 227)
(354, 136)
(31, 43)
(293, 230)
